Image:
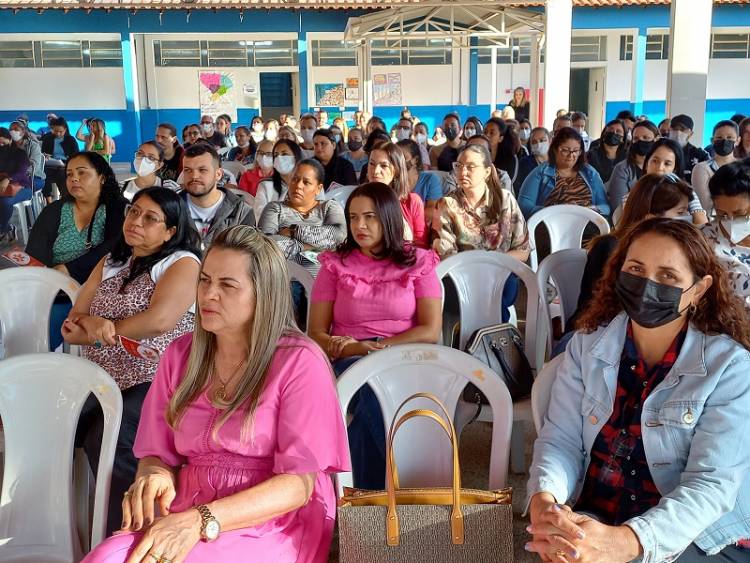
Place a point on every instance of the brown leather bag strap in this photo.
(391, 477)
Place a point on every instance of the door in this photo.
(276, 94)
(579, 90)
(597, 100)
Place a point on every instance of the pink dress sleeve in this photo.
(311, 436)
(413, 209)
(324, 288)
(427, 284)
(155, 437)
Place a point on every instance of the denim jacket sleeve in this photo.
(529, 193)
(559, 455)
(598, 194)
(713, 474)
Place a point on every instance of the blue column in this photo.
(131, 129)
(302, 64)
(639, 69)
(473, 71)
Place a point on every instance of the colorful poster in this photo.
(386, 89)
(352, 90)
(218, 93)
(329, 95)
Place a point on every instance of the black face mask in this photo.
(647, 303)
(723, 147)
(451, 133)
(641, 148)
(612, 139)
(354, 146)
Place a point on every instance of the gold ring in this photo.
(126, 494)
(164, 560)
(156, 558)
(560, 553)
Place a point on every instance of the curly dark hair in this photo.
(719, 311)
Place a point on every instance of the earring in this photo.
(693, 308)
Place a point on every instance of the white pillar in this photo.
(493, 77)
(689, 49)
(365, 77)
(534, 82)
(558, 24)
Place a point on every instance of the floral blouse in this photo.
(457, 227)
(735, 258)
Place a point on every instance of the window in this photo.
(177, 53)
(62, 54)
(333, 53)
(589, 48)
(657, 47)
(279, 52)
(730, 46)
(227, 53)
(626, 47)
(16, 54)
(103, 53)
(383, 53)
(429, 52)
(519, 51)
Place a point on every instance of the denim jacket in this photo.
(695, 430)
(541, 181)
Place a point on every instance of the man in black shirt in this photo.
(211, 134)
(166, 138)
(680, 130)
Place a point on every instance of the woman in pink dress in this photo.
(240, 430)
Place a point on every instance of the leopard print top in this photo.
(109, 303)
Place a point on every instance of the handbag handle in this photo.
(391, 476)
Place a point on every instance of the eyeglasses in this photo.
(262, 153)
(152, 159)
(569, 152)
(149, 219)
(460, 166)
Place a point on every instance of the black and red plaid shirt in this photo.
(618, 483)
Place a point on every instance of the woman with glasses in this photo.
(143, 290)
(729, 231)
(642, 454)
(147, 162)
(564, 179)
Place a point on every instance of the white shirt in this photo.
(266, 194)
(202, 216)
(131, 188)
(702, 173)
(735, 258)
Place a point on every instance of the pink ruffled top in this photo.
(375, 298)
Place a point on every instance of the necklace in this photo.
(220, 395)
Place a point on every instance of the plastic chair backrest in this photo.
(248, 198)
(41, 397)
(25, 302)
(340, 194)
(422, 453)
(300, 274)
(565, 224)
(565, 269)
(617, 215)
(479, 277)
(234, 167)
(541, 391)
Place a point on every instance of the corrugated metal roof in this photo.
(305, 4)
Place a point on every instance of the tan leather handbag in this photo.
(435, 525)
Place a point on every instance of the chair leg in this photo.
(518, 448)
(83, 491)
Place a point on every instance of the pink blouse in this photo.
(375, 298)
(413, 209)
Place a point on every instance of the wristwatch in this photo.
(210, 527)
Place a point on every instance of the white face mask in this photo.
(337, 138)
(143, 167)
(421, 138)
(257, 127)
(307, 135)
(540, 149)
(265, 162)
(468, 133)
(284, 164)
(524, 134)
(243, 145)
(208, 128)
(738, 228)
(402, 134)
(272, 134)
(680, 136)
(16, 135)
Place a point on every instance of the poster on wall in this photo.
(352, 90)
(218, 93)
(386, 89)
(329, 95)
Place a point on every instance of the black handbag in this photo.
(501, 348)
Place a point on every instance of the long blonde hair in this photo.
(273, 318)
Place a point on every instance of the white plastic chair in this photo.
(565, 224)
(21, 218)
(26, 298)
(542, 390)
(339, 193)
(300, 274)
(41, 396)
(248, 198)
(479, 277)
(396, 373)
(564, 269)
